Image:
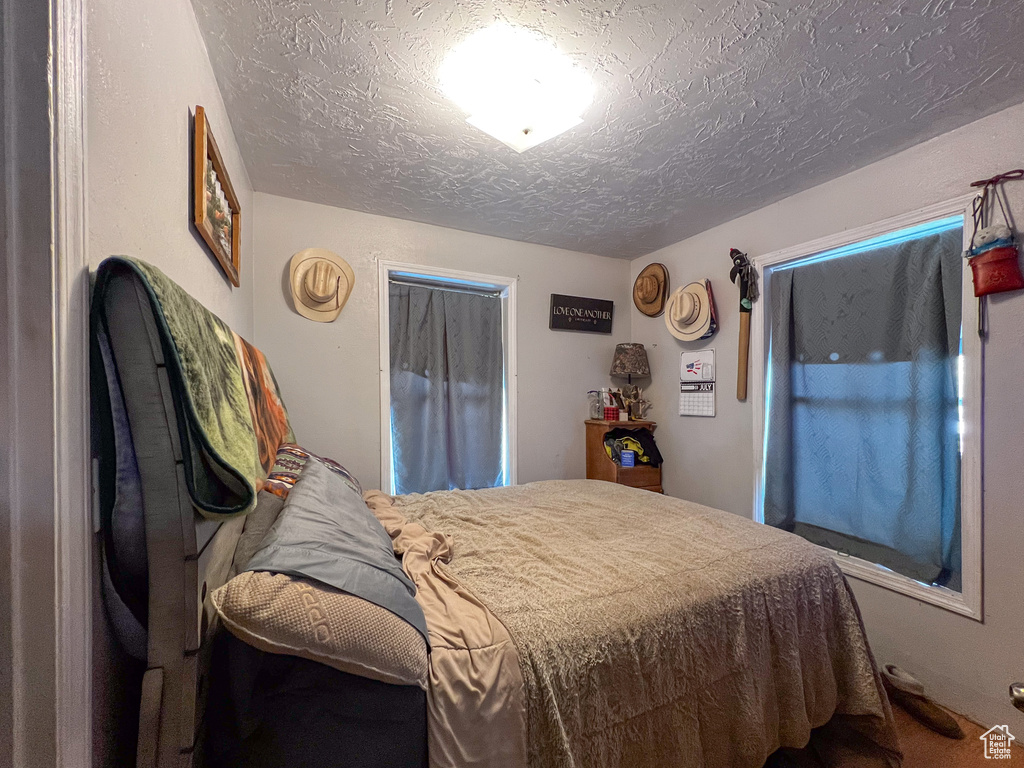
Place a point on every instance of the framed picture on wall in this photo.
(215, 213)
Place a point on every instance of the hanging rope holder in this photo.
(999, 178)
(992, 252)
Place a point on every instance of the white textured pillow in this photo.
(282, 614)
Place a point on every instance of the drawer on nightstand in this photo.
(638, 477)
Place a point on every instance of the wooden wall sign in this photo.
(575, 313)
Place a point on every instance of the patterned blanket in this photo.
(234, 419)
(646, 631)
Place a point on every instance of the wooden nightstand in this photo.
(600, 467)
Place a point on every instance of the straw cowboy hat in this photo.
(650, 288)
(321, 283)
(688, 312)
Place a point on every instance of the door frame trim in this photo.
(45, 533)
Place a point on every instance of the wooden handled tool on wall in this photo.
(743, 271)
(742, 362)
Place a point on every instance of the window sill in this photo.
(965, 604)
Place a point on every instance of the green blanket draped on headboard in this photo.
(231, 413)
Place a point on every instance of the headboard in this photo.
(185, 432)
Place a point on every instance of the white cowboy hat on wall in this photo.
(321, 282)
(688, 312)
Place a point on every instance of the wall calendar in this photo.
(697, 383)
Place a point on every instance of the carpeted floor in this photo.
(923, 748)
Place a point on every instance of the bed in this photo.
(571, 623)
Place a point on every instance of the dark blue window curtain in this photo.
(447, 389)
(863, 446)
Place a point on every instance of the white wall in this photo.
(329, 372)
(147, 70)
(964, 663)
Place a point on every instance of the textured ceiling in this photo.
(703, 110)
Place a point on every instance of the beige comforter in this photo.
(647, 631)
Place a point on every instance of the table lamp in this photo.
(630, 360)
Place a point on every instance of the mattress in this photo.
(271, 710)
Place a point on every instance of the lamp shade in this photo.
(630, 360)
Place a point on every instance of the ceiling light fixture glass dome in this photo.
(516, 85)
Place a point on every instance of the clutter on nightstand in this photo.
(624, 453)
(638, 442)
(623, 404)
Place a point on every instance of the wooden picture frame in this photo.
(215, 210)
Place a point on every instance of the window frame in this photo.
(968, 602)
(507, 286)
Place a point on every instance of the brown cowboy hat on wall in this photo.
(650, 289)
(321, 282)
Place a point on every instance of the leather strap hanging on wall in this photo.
(993, 252)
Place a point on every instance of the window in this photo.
(867, 392)
(448, 379)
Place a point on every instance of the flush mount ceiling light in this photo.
(516, 86)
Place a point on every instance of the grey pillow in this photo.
(326, 532)
(257, 523)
